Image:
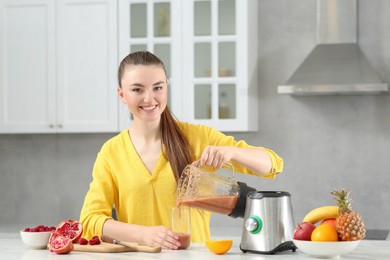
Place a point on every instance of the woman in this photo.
(137, 170)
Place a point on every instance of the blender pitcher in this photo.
(213, 192)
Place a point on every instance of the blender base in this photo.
(288, 245)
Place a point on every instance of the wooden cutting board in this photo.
(114, 248)
(102, 248)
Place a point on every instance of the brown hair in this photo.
(176, 148)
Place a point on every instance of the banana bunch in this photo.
(321, 213)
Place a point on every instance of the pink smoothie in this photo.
(185, 240)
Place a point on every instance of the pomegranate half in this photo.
(60, 244)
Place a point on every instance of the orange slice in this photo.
(219, 247)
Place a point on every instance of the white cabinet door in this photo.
(220, 76)
(86, 66)
(58, 73)
(27, 66)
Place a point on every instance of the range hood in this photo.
(336, 65)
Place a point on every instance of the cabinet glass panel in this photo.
(226, 17)
(227, 101)
(162, 20)
(202, 18)
(138, 21)
(202, 55)
(203, 101)
(138, 47)
(163, 51)
(226, 59)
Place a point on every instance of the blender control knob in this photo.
(253, 224)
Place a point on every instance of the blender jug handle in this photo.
(229, 166)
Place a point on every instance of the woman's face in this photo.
(144, 91)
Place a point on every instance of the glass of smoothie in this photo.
(181, 224)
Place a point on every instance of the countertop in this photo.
(12, 247)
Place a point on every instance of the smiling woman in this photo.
(137, 170)
(144, 91)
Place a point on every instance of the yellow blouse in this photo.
(121, 179)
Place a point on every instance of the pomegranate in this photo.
(303, 231)
(71, 229)
(60, 244)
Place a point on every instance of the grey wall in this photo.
(44, 177)
(326, 142)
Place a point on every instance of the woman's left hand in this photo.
(215, 156)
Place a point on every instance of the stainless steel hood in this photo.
(336, 65)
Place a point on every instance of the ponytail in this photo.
(177, 148)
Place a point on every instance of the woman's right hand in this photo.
(147, 235)
(160, 236)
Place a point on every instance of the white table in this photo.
(12, 247)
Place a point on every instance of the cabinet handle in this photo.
(59, 125)
(51, 126)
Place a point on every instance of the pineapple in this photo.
(349, 223)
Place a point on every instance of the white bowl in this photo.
(35, 240)
(326, 249)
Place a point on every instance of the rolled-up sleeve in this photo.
(277, 164)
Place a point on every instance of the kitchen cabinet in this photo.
(58, 66)
(209, 49)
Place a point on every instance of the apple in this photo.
(303, 231)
